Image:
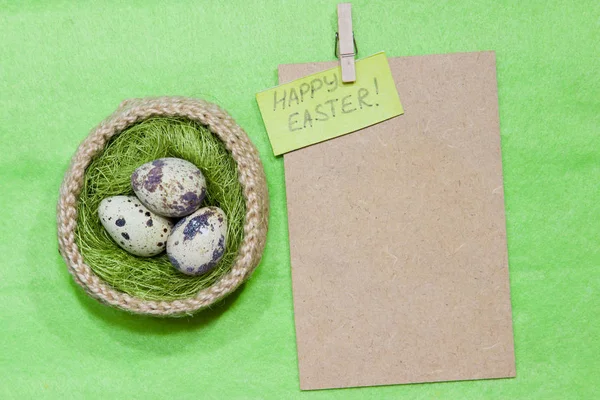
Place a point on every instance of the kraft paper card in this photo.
(398, 238)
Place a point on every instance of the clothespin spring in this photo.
(336, 49)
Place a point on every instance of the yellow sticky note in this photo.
(319, 107)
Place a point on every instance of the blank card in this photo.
(398, 237)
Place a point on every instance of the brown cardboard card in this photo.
(398, 238)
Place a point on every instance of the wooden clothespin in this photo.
(347, 44)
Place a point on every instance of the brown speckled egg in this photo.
(197, 242)
(135, 228)
(170, 187)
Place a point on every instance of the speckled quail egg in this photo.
(136, 229)
(170, 187)
(197, 242)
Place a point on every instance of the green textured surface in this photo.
(64, 67)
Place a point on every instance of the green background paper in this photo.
(64, 67)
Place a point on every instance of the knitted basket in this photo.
(251, 176)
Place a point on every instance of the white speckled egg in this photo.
(135, 228)
(170, 187)
(197, 242)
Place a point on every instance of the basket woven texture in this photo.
(251, 176)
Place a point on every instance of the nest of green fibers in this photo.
(109, 174)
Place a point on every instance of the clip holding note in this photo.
(347, 44)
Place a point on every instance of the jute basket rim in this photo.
(251, 177)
